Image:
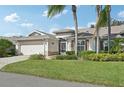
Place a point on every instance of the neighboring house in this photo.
(39, 42)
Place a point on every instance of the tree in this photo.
(105, 20)
(56, 9)
(115, 22)
(98, 10)
(6, 48)
(108, 10)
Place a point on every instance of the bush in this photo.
(116, 46)
(66, 57)
(105, 57)
(85, 53)
(37, 57)
(70, 52)
(7, 48)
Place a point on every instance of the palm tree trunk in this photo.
(98, 8)
(76, 27)
(97, 38)
(109, 29)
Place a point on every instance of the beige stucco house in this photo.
(39, 42)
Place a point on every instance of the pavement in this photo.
(19, 80)
(9, 60)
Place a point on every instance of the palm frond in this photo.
(54, 10)
(102, 18)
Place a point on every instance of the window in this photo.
(81, 45)
(105, 45)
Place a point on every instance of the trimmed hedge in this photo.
(66, 57)
(37, 57)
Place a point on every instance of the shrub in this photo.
(37, 57)
(7, 48)
(85, 53)
(105, 57)
(116, 45)
(70, 52)
(66, 57)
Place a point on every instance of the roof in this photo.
(12, 39)
(103, 30)
(41, 33)
(32, 38)
(64, 31)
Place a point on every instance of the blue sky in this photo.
(21, 20)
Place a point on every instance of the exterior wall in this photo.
(30, 42)
(63, 35)
(92, 44)
(53, 46)
(68, 45)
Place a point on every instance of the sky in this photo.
(21, 20)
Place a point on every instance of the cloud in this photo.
(78, 6)
(11, 34)
(12, 18)
(52, 30)
(26, 24)
(121, 14)
(91, 23)
(44, 14)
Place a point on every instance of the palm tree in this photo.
(105, 20)
(98, 10)
(56, 9)
(108, 10)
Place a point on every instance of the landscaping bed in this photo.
(103, 73)
(92, 56)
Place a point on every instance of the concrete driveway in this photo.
(8, 60)
(18, 80)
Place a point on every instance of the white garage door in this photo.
(32, 49)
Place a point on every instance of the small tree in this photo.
(7, 48)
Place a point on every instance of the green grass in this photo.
(104, 73)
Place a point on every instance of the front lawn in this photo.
(104, 73)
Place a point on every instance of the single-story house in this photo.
(39, 42)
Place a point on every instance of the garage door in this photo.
(32, 49)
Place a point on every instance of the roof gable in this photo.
(36, 33)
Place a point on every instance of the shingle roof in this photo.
(32, 38)
(104, 31)
(64, 30)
